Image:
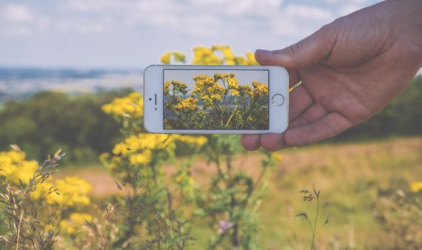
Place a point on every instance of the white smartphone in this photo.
(191, 99)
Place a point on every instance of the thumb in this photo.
(309, 51)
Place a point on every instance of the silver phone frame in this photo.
(153, 99)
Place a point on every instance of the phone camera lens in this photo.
(150, 99)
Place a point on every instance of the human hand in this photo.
(350, 70)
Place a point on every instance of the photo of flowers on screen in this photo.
(210, 100)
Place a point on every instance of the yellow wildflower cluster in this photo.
(67, 192)
(178, 57)
(250, 59)
(75, 222)
(187, 104)
(138, 148)
(415, 186)
(245, 90)
(205, 56)
(207, 89)
(191, 140)
(227, 53)
(166, 58)
(132, 105)
(13, 165)
(232, 83)
(177, 87)
(71, 191)
(140, 142)
(260, 89)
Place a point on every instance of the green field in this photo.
(349, 175)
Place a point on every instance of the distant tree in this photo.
(48, 121)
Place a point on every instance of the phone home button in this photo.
(277, 99)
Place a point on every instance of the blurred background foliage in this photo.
(77, 125)
(49, 121)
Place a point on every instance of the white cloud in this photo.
(17, 31)
(202, 18)
(17, 13)
(82, 26)
(19, 21)
(239, 8)
(203, 25)
(348, 1)
(348, 8)
(307, 12)
(86, 6)
(178, 24)
(300, 20)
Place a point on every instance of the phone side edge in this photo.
(279, 84)
(153, 75)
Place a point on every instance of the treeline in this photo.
(76, 124)
(49, 121)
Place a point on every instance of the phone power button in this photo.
(277, 99)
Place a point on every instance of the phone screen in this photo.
(216, 99)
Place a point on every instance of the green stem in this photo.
(315, 225)
(234, 110)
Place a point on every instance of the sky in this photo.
(131, 34)
(244, 77)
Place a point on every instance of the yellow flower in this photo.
(192, 140)
(208, 89)
(415, 186)
(187, 104)
(245, 90)
(240, 60)
(250, 59)
(131, 105)
(178, 87)
(75, 222)
(165, 58)
(260, 89)
(179, 57)
(232, 82)
(138, 148)
(104, 156)
(13, 164)
(227, 53)
(121, 149)
(277, 157)
(205, 56)
(73, 191)
(166, 88)
(141, 158)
